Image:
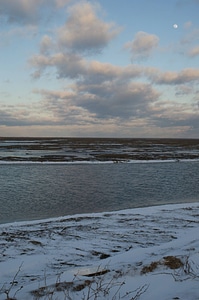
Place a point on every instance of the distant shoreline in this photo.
(92, 150)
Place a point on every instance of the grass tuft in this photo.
(171, 262)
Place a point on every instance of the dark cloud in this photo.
(105, 101)
(114, 99)
(179, 117)
(27, 12)
(190, 121)
(20, 11)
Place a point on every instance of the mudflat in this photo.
(96, 149)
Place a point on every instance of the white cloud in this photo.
(84, 31)
(175, 78)
(143, 45)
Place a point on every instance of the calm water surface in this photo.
(34, 191)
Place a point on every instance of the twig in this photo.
(139, 291)
(13, 282)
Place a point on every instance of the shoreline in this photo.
(135, 210)
(93, 162)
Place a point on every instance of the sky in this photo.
(106, 68)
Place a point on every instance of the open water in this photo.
(38, 191)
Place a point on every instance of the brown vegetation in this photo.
(171, 262)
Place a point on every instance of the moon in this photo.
(175, 26)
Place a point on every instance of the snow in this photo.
(103, 255)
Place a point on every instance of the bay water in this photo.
(39, 191)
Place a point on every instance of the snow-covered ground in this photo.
(147, 253)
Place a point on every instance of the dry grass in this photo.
(96, 288)
(172, 262)
(98, 285)
(150, 268)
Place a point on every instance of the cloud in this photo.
(101, 94)
(194, 51)
(176, 118)
(84, 31)
(46, 44)
(74, 66)
(62, 108)
(113, 106)
(27, 11)
(7, 37)
(20, 11)
(99, 72)
(188, 24)
(25, 115)
(189, 43)
(175, 78)
(184, 90)
(10, 118)
(62, 3)
(187, 121)
(117, 100)
(142, 46)
(100, 89)
(190, 37)
(108, 100)
(67, 65)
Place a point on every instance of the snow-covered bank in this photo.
(146, 253)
